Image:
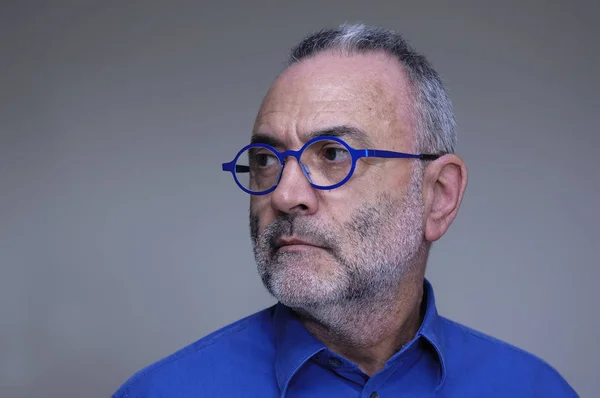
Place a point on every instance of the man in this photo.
(351, 176)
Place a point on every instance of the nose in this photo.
(294, 194)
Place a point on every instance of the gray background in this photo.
(122, 241)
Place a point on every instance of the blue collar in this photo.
(295, 345)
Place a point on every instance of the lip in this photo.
(294, 243)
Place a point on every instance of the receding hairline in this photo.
(344, 53)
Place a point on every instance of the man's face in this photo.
(319, 247)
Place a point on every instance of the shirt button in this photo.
(335, 363)
(374, 394)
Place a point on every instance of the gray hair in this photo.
(436, 126)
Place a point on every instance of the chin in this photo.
(304, 287)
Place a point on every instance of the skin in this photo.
(377, 227)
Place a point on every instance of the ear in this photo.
(444, 184)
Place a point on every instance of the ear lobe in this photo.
(446, 180)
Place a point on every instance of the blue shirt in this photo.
(271, 354)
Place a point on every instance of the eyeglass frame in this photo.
(356, 154)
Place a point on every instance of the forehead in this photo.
(369, 92)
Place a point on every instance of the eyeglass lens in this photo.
(324, 162)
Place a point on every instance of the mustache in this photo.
(288, 225)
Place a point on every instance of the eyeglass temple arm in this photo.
(368, 153)
(376, 153)
(238, 168)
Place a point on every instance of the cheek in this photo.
(261, 209)
(337, 207)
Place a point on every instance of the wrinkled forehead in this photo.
(366, 92)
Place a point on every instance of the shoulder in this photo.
(502, 366)
(241, 347)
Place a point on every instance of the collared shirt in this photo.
(271, 354)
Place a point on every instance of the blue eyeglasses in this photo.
(327, 162)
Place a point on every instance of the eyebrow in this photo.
(265, 139)
(343, 131)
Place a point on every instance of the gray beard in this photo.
(367, 257)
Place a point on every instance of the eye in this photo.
(335, 153)
(265, 159)
(262, 158)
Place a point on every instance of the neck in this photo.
(369, 332)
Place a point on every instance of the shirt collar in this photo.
(431, 330)
(295, 345)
